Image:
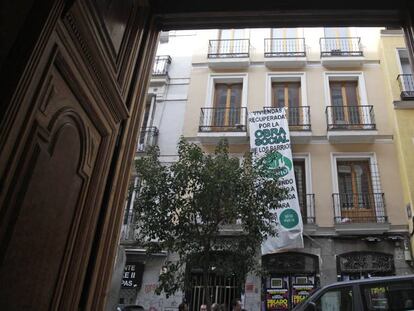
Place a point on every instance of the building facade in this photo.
(162, 126)
(335, 86)
(400, 96)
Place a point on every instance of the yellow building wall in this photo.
(402, 119)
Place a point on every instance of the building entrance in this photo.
(291, 278)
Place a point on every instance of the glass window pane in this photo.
(336, 300)
(391, 296)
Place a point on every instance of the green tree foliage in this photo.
(184, 209)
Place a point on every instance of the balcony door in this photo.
(300, 177)
(288, 95)
(284, 41)
(229, 43)
(227, 106)
(356, 195)
(345, 103)
(147, 130)
(337, 40)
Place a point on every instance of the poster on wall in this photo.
(277, 299)
(270, 144)
(132, 276)
(301, 292)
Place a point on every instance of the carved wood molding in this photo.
(110, 231)
(77, 26)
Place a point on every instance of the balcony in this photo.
(341, 52)
(351, 124)
(160, 70)
(299, 123)
(360, 213)
(406, 83)
(216, 123)
(147, 138)
(285, 53)
(229, 54)
(128, 230)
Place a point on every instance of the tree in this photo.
(183, 208)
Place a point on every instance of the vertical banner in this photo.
(270, 143)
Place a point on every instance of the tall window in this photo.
(337, 39)
(355, 189)
(345, 102)
(227, 105)
(300, 177)
(288, 95)
(228, 43)
(282, 44)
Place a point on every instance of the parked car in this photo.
(382, 293)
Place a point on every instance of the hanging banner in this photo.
(270, 143)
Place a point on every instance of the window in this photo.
(288, 94)
(227, 104)
(336, 300)
(391, 296)
(337, 40)
(300, 176)
(345, 102)
(232, 43)
(355, 189)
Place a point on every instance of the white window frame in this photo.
(215, 78)
(349, 156)
(287, 77)
(347, 76)
(400, 69)
(308, 175)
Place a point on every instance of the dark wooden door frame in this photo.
(22, 57)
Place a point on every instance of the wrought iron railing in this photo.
(363, 207)
(161, 65)
(350, 117)
(307, 207)
(406, 83)
(340, 46)
(228, 48)
(147, 137)
(284, 47)
(128, 227)
(298, 118)
(223, 119)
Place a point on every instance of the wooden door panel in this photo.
(50, 227)
(68, 134)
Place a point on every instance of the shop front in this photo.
(362, 265)
(290, 279)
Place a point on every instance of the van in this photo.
(382, 293)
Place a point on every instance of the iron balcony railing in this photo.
(228, 48)
(298, 118)
(340, 46)
(284, 47)
(406, 83)
(363, 207)
(161, 65)
(307, 207)
(147, 138)
(350, 117)
(128, 227)
(223, 119)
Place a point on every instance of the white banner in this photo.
(270, 143)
